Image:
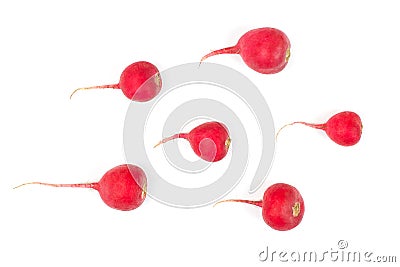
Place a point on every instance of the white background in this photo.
(345, 56)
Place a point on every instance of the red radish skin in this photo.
(122, 187)
(282, 206)
(132, 78)
(210, 140)
(265, 50)
(344, 128)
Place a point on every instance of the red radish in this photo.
(344, 128)
(282, 206)
(265, 50)
(210, 140)
(132, 78)
(122, 187)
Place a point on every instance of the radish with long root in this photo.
(134, 82)
(344, 128)
(122, 187)
(210, 140)
(282, 206)
(265, 50)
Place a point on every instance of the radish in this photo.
(282, 206)
(344, 128)
(265, 50)
(132, 78)
(210, 140)
(122, 187)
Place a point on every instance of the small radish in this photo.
(132, 78)
(344, 128)
(122, 187)
(210, 140)
(265, 50)
(282, 206)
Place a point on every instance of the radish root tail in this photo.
(110, 86)
(252, 202)
(321, 126)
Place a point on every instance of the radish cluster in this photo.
(266, 51)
